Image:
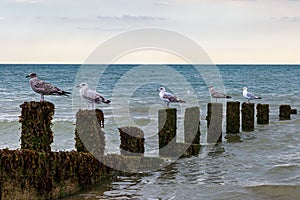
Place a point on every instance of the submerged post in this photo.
(214, 122)
(285, 112)
(191, 125)
(36, 125)
(233, 117)
(262, 113)
(167, 119)
(248, 116)
(132, 141)
(89, 137)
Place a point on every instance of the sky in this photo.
(229, 31)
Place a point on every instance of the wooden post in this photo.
(36, 125)
(285, 112)
(293, 111)
(167, 119)
(214, 122)
(262, 113)
(132, 141)
(89, 137)
(248, 116)
(191, 125)
(233, 117)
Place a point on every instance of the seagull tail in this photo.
(106, 101)
(181, 101)
(258, 98)
(228, 97)
(65, 93)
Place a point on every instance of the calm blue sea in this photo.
(265, 165)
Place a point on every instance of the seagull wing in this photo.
(45, 88)
(170, 97)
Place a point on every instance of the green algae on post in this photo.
(132, 141)
(248, 116)
(262, 113)
(233, 117)
(36, 125)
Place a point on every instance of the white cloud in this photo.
(130, 17)
(30, 1)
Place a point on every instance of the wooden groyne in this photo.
(35, 172)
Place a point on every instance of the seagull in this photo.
(44, 88)
(215, 94)
(168, 97)
(91, 96)
(249, 95)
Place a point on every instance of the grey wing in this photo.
(44, 88)
(250, 95)
(170, 97)
(89, 95)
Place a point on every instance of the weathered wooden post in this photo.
(191, 125)
(285, 112)
(233, 117)
(89, 137)
(167, 119)
(262, 113)
(248, 116)
(293, 111)
(36, 125)
(214, 122)
(132, 141)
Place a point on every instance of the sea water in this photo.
(265, 165)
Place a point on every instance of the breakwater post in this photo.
(192, 125)
(285, 112)
(214, 122)
(132, 141)
(89, 136)
(248, 116)
(233, 117)
(36, 125)
(167, 119)
(262, 113)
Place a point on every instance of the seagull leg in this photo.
(42, 98)
(167, 104)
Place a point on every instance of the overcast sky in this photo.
(230, 31)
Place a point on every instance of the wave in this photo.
(278, 192)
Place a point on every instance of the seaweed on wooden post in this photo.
(214, 122)
(89, 136)
(36, 125)
(285, 112)
(248, 116)
(191, 125)
(167, 119)
(262, 113)
(132, 141)
(233, 117)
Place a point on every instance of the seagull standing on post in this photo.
(249, 95)
(44, 88)
(168, 97)
(215, 94)
(91, 96)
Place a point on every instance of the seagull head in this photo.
(210, 86)
(83, 85)
(244, 88)
(31, 75)
(162, 89)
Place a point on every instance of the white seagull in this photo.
(91, 96)
(44, 88)
(215, 94)
(168, 97)
(249, 95)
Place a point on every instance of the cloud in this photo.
(2, 18)
(130, 18)
(101, 29)
(161, 3)
(29, 1)
(287, 19)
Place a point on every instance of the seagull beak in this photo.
(27, 76)
(78, 86)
